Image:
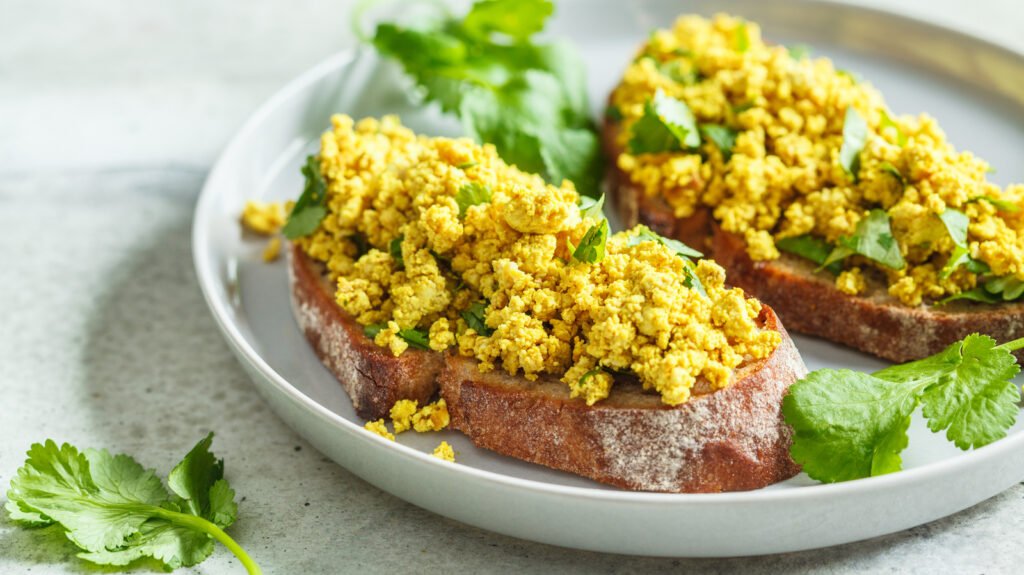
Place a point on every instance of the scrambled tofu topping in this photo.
(445, 452)
(432, 417)
(436, 243)
(380, 428)
(264, 218)
(785, 175)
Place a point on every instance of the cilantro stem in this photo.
(200, 524)
(1013, 345)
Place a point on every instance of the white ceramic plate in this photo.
(971, 86)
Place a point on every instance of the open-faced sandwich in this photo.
(856, 225)
(426, 267)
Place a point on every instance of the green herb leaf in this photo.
(416, 338)
(528, 99)
(395, 249)
(813, 248)
(850, 425)
(978, 294)
(373, 329)
(799, 51)
(677, 72)
(741, 39)
(894, 172)
(467, 165)
(592, 245)
(310, 208)
(591, 208)
(956, 223)
(723, 137)
(1008, 287)
(475, 316)
(872, 239)
(117, 512)
(583, 378)
(901, 138)
(518, 19)
(667, 125)
(471, 194)
(613, 113)
(1001, 205)
(855, 135)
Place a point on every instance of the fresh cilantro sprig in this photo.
(872, 239)
(667, 125)
(591, 208)
(118, 512)
(528, 99)
(592, 245)
(849, 425)
(311, 207)
(475, 316)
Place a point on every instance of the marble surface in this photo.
(110, 115)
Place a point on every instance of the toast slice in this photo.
(732, 439)
(808, 300)
(371, 375)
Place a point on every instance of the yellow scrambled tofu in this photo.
(437, 243)
(785, 177)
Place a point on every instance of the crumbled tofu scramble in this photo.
(406, 256)
(785, 177)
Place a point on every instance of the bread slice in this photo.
(807, 300)
(371, 375)
(732, 439)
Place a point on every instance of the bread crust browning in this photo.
(729, 440)
(808, 301)
(371, 375)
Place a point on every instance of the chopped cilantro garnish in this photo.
(311, 207)
(872, 239)
(855, 135)
(667, 125)
(472, 194)
(592, 245)
(475, 316)
(724, 138)
(813, 248)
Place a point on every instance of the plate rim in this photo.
(209, 280)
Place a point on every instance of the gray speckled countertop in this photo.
(110, 116)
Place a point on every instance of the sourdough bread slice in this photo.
(732, 439)
(729, 440)
(808, 300)
(371, 375)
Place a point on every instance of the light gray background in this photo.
(111, 112)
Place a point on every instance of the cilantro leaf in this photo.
(591, 208)
(395, 249)
(799, 51)
(116, 511)
(894, 172)
(416, 338)
(849, 425)
(518, 19)
(723, 137)
(372, 330)
(978, 294)
(1001, 205)
(972, 415)
(592, 245)
(471, 194)
(813, 248)
(887, 122)
(1009, 288)
(956, 223)
(741, 39)
(475, 316)
(310, 208)
(855, 135)
(872, 239)
(667, 125)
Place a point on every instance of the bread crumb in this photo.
(379, 428)
(445, 452)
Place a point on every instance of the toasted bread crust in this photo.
(371, 375)
(808, 301)
(733, 439)
(729, 440)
